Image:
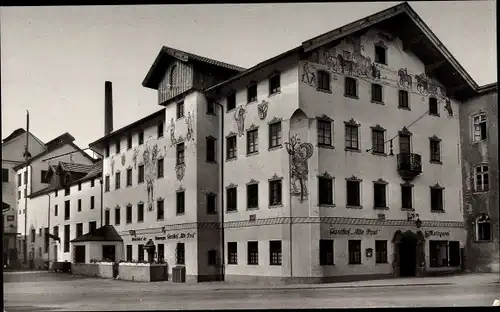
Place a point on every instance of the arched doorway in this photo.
(409, 257)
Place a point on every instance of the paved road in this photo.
(46, 292)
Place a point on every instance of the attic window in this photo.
(433, 107)
(44, 176)
(380, 54)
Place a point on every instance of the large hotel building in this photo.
(339, 159)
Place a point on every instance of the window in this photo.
(210, 107)
(107, 217)
(161, 252)
(377, 93)
(180, 254)
(79, 205)
(403, 99)
(159, 168)
(160, 130)
(140, 173)
(253, 195)
(480, 127)
(117, 180)
(180, 202)
(380, 251)
(274, 84)
(326, 252)
(5, 175)
(129, 177)
(160, 211)
(231, 101)
(354, 247)
(33, 235)
(66, 237)
(210, 149)
(231, 199)
(378, 145)
(140, 253)
(129, 253)
(92, 226)
(275, 135)
(436, 199)
(79, 186)
(106, 184)
(275, 254)
(211, 204)
(433, 106)
(482, 179)
(43, 176)
(435, 150)
(141, 137)
(325, 188)
(438, 253)
(117, 216)
(129, 214)
(80, 254)
(56, 193)
(252, 141)
(483, 228)
(55, 210)
(108, 252)
(404, 144)
(66, 191)
(106, 151)
(406, 197)
(379, 195)
(79, 229)
(18, 195)
(180, 109)
(252, 93)
(232, 253)
(350, 87)
(212, 257)
(275, 188)
(454, 252)
(26, 177)
(129, 141)
(323, 80)
(351, 137)
(324, 132)
(253, 253)
(118, 146)
(140, 212)
(19, 180)
(92, 183)
(67, 210)
(55, 231)
(231, 147)
(180, 153)
(353, 193)
(380, 54)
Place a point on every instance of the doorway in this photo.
(408, 255)
(108, 252)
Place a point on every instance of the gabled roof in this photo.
(157, 70)
(72, 167)
(94, 172)
(60, 140)
(20, 131)
(416, 36)
(105, 233)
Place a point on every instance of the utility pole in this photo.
(26, 159)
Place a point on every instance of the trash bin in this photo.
(179, 274)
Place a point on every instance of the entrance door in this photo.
(408, 255)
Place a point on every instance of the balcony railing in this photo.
(409, 165)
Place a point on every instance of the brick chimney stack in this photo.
(108, 108)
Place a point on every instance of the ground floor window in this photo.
(140, 256)
(326, 252)
(161, 252)
(253, 253)
(381, 251)
(275, 254)
(438, 253)
(232, 253)
(354, 251)
(79, 254)
(108, 252)
(180, 254)
(129, 253)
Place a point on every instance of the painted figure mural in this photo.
(134, 157)
(189, 123)
(239, 117)
(173, 141)
(308, 75)
(405, 80)
(123, 159)
(262, 109)
(179, 171)
(300, 154)
(149, 159)
(112, 165)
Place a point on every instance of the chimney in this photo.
(108, 108)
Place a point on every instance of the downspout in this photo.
(222, 212)
(47, 233)
(290, 202)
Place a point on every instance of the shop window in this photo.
(380, 195)
(129, 253)
(140, 212)
(140, 251)
(275, 193)
(325, 188)
(160, 209)
(231, 199)
(438, 253)
(253, 253)
(232, 253)
(253, 195)
(212, 257)
(353, 193)
(252, 141)
(79, 254)
(275, 254)
(231, 147)
(324, 132)
(161, 252)
(180, 254)
(354, 248)
(380, 251)
(479, 129)
(482, 180)
(483, 228)
(326, 252)
(323, 80)
(454, 248)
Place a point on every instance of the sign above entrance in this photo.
(436, 233)
(139, 238)
(351, 232)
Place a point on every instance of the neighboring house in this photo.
(13, 148)
(479, 124)
(31, 177)
(68, 208)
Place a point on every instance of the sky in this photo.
(55, 60)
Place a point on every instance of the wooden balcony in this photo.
(409, 165)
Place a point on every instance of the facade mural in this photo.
(239, 117)
(308, 75)
(173, 140)
(112, 165)
(124, 158)
(262, 109)
(134, 157)
(189, 123)
(179, 171)
(300, 153)
(149, 159)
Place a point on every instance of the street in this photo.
(54, 292)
